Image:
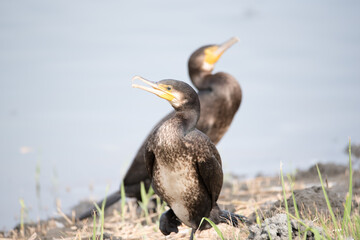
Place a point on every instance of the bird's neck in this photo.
(198, 76)
(180, 124)
(187, 120)
(221, 84)
(173, 130)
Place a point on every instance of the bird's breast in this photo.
(178, 184)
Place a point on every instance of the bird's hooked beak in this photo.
(161, 90)
(213, 53)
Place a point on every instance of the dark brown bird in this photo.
(220, 97)
(182, 162)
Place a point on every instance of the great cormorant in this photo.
(182, 162)
(220, 97)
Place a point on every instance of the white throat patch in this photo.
(207, 67)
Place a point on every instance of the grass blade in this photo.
(308, 228)
(145, 199)
(357, 227)
(285, 202)
(94, 227)
(160, 206)
(293, 196)
(258, 222)
(22, 215)
(102, 213)
(219, 233)
(334, 220)
(347, 210)
(323, 225)
(267, 229)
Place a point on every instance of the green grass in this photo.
(351, 222)
(292, 183)
(219, 233)
(349, 225)
(285, 202)
(291, 180)
(23, 211)
(333, 218)
(102, 217)
(308, 228)
(94, 227)
(145, 199)
(257, 218)
(348, 203)
(297, 217)
(267, 229)
(160, 206)
(334, 227)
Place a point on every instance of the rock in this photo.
(276, 228)
(310, 202)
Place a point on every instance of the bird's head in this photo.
(179, 94)
(204, 58)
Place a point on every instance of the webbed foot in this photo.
(169, 222)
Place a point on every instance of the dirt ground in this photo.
(242, 196)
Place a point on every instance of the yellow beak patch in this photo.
(212, 55)
(166, 92)
(161, 90)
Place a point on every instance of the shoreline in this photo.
(242, 196)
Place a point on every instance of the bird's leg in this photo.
(192, 233)
(169, 222)
(242, 218)
(233, 219)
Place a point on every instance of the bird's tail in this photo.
(233, 219)
(110, 200)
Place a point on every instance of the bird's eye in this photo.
(168, 88)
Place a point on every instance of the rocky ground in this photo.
(259, 197)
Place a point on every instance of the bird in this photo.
(220, 97)
(183, 163)
(220, 94)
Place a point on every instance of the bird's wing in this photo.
(149, 158)
(208, 162)
(212, 175)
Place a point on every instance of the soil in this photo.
(263, 194)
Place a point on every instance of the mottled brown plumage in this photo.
(182, 162)
(220, 97)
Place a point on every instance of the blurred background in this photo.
(70, 123)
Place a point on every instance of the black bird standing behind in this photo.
(220, 97)
(219, 94)
(182, 162)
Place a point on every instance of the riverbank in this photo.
(258, 198)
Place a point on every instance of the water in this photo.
(67, 106)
